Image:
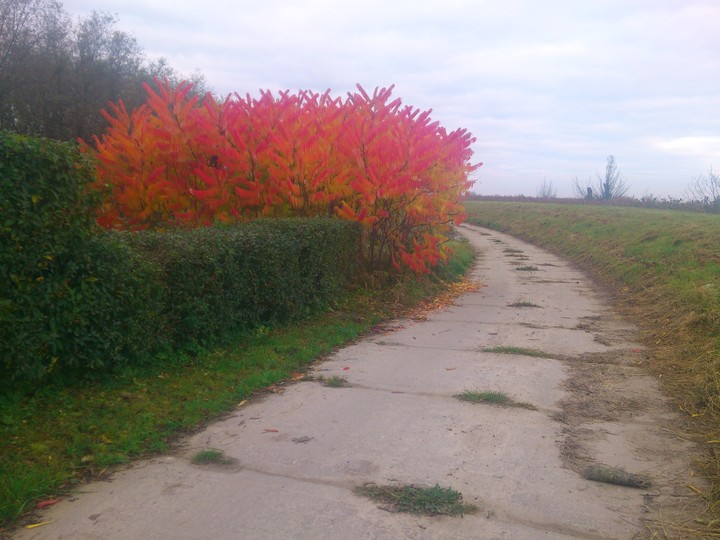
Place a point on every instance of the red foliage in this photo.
(184, 161)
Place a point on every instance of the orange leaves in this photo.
(183, 160)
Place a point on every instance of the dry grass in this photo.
(616, 476)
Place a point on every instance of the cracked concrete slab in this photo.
(298, 454)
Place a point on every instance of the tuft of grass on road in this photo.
(60, 436)
(211, 457)
(616, 476)
(493, 398)
(663, 268)
(520, 351)
(428, 501)
(524, 304)
(336, 381)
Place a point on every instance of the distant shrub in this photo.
(646, 201)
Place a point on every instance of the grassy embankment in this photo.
(60, 436)
(664, 268)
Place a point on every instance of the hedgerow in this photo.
(219, 279)
(76, 300)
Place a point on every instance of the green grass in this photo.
(524, 304)
(663, 268)
(527, 268)
(429, 501)
(336, 381)
(59, 436)
(492, 398)
(521, 351)
(211, 456)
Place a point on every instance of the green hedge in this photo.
(76, 300)
(45, 217)
(220, 279)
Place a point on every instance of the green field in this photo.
(662, 270)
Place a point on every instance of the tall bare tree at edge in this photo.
(608, 187)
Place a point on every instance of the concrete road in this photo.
(299, 453)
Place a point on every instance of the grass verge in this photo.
(664, 269)
(428, 501)
(61, 436)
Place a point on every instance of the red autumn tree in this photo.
(408, 178)
(184, 161)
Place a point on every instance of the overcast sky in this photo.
(549, 88)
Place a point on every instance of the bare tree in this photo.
(56, 75)
(705, 189)
(26, 26)
(582, 191)
(604, 187)
(546, 190)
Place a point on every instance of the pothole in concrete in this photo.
(605, 334)
(601, 388)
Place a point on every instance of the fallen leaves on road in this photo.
(455, 290)
(47, 502)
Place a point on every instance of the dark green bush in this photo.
(76, 300)
(221, 279)
(45, 215)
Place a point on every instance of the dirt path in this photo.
(298, 454)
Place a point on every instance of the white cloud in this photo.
(703, 147)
